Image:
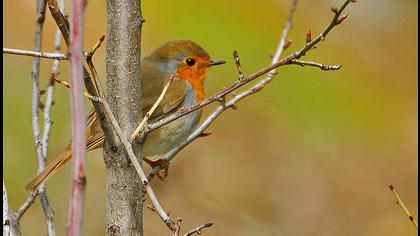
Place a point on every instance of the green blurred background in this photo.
(312, 154)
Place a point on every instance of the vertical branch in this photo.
(124, 190)
(35, 82)
(49, 214)
(282, 43)
(40, 17)
(75, 218)
(50, 89)
(40, 13)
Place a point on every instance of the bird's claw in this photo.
(162, 174)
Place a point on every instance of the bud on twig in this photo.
(308, 37)
(342, 18)
(334, 9)
(287, 44)
(238, 64)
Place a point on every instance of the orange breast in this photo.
(196, 77)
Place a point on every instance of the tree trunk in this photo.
(123, 186)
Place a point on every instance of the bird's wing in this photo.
(171, 101)
(153, 81)
(94, 133)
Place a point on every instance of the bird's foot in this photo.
(162, 174)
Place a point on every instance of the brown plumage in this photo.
(173, 58)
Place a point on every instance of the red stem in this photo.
(75, 219)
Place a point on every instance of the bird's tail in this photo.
(51, 169)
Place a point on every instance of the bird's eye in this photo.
(190, 62)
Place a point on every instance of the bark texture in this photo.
(123, 186)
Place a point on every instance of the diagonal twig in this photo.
(25, 206)
(198, 229)
(403, 207)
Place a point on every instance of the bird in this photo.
(187, 64)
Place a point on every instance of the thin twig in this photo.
(403, 207)
(158, 208)
(50, 90)
(67, 85)
(78, 190)
(35, 83)
(315, 64)
(22, 209)
(89, 62)
(96, 46)
(177, 230)
(216, 97)
(48, 212)
(152, 109)
(198, 229)
(47, 55)
(60, 19)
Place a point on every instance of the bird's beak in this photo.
(215, 62)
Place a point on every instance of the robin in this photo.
(188, 63)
